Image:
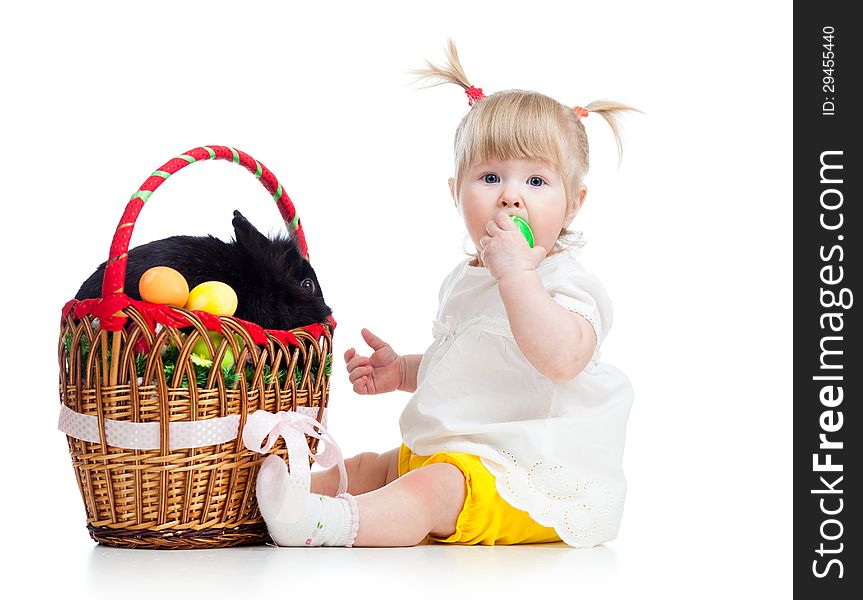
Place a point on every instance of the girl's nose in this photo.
(509, 199)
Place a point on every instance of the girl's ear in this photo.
(245, 233)
(576, 206)
(452, 191)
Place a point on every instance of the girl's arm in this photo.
(558, 342)
(409, 369)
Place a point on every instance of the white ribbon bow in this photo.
(449, 328)
(294, 427)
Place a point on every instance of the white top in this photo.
(555, 448)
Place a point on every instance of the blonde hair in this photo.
(522, 124)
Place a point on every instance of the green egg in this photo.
(525, 229)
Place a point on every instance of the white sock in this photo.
(320, 521)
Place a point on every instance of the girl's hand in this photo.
(380, 373)
(505, 251)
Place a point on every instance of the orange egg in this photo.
(164, 285)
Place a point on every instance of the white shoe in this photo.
(281, 495)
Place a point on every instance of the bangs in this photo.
(515, 126)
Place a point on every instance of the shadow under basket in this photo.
(154, 432)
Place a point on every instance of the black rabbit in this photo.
(276, 287)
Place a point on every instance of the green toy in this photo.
(525, 229)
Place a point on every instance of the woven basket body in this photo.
(112, 371)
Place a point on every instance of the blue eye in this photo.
(533, 181)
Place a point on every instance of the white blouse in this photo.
(555, 448)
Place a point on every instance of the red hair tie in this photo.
(580, 112)
(474, 94)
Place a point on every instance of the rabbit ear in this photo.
(246, 234)
(286, 252)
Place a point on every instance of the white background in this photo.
(691, 236)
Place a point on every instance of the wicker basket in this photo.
(170, 492)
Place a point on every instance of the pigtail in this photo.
(452, 72)
(610, 111)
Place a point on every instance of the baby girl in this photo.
(515, 430)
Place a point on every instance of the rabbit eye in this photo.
(308, 284)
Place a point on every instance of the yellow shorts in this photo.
(486, 518)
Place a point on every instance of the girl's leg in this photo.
(366, 472)
(402, 513)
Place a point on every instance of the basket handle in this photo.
(115, 269)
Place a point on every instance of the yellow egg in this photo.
(213, 297)
(163, 285)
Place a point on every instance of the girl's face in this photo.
(530, 189)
